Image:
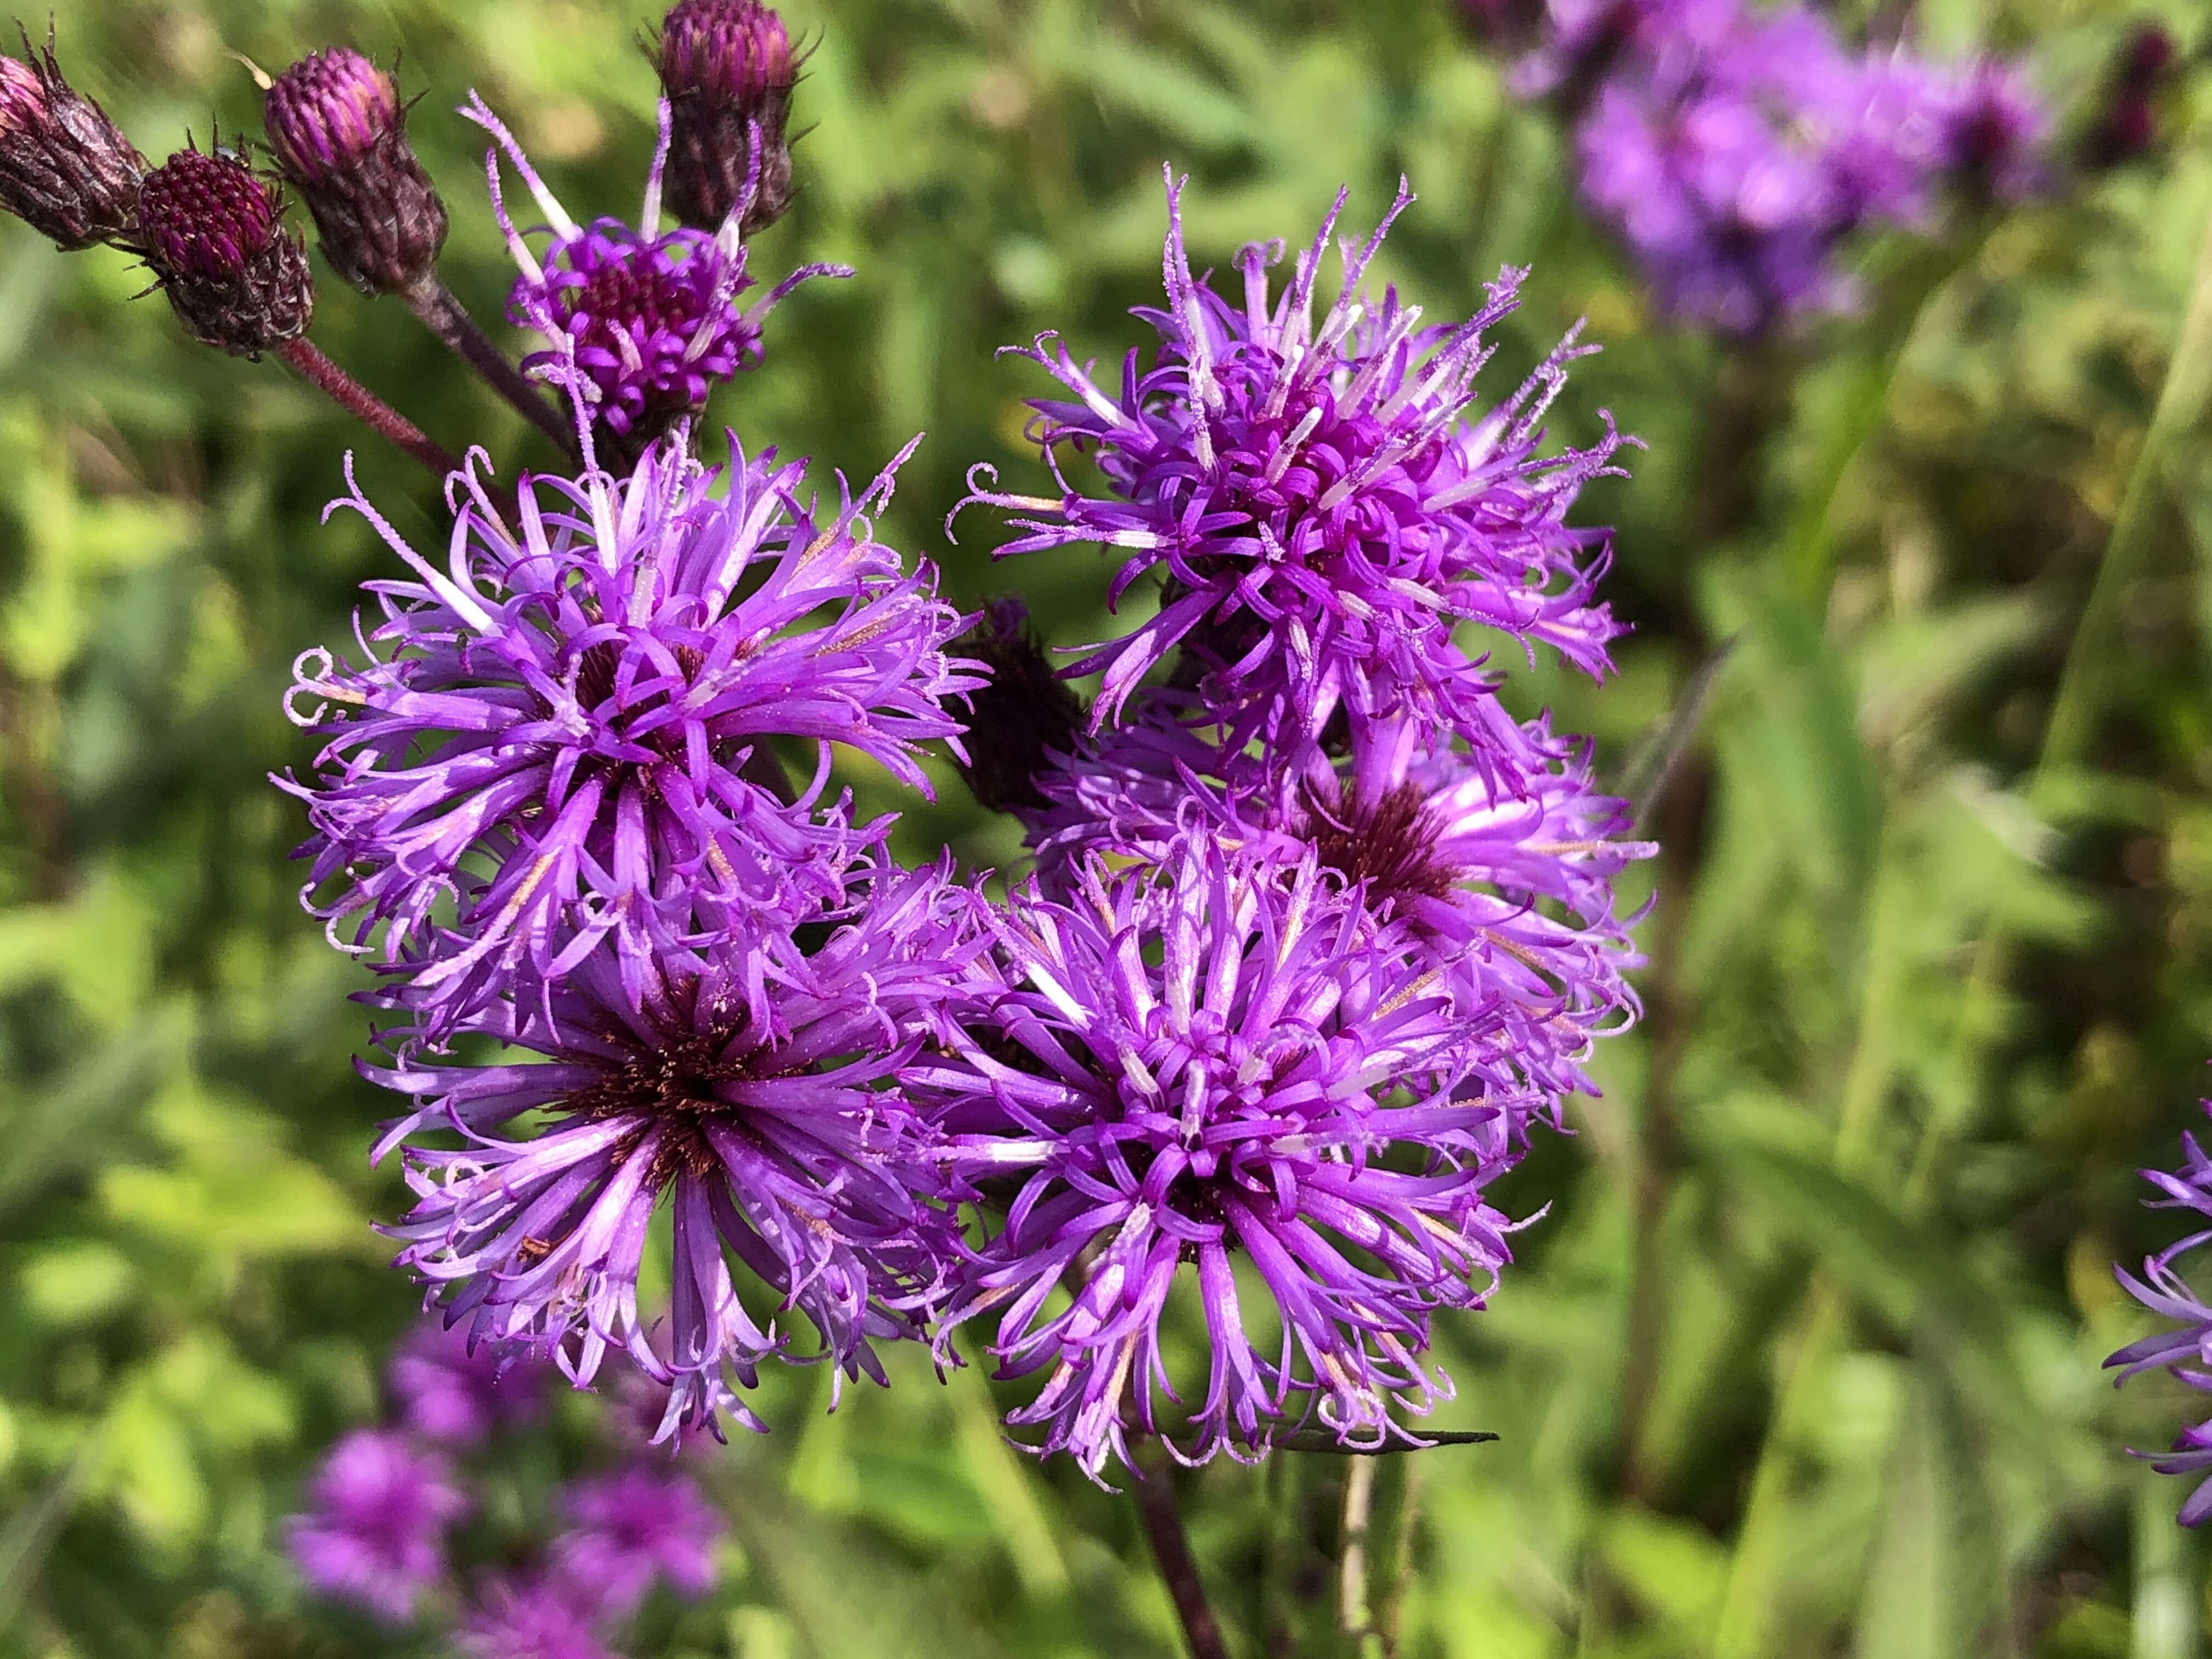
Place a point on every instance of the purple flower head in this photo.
(542, 1617)
(754, 1084)
(212, 231)
(1321, 503)
(1211, 1058)
(1733, 149)
(567, 731)
(1731, 226)
(2184, 1350)
(1498, 855)
(1995, 131)
(639, 322)
(65, 169)
(628, 1529)
(374, 1532)
(448, 1392)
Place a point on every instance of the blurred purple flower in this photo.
(639, 322)
(1321, 503)
(568, 733)
(2184, 1350)
(448, 1393)
(551, 1616)
(1734, 149)
(756, 1083)
(374, 1531)
(1210, 1056)
(628, 1530)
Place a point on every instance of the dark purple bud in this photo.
(2145, 59)
(339, 135)
(212, 230)
(1023, 718)
(1509, 26)
(65, 170)
(2126, 127)
(2125, 132)
(727, 68)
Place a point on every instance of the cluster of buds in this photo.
(209, 224)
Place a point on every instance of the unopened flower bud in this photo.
(2126, 126)
(1023, 717)
(212, 230)
(64, 168)
(727, 68)
(339, 135)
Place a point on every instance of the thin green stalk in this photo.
(2078, 702)
(2082, 683)
(1746, 1603)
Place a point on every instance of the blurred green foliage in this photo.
(1802, 1359)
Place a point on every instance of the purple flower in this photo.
(542, 1617)
(567, 731)
(638, 323)
(1320, 499)
(628, 1530)
(374, 1534)
(449, 1392)
(2184, 1350)
(1733, 150)
(756, 1085)
(1995, 132)
(1213, 1057)
(1498, 855)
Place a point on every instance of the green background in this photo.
(1803, 1359)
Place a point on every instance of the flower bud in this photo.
(213, 232)
(64, 168)
(339, 135)
(2126, 126)
(1023, 717)
(727, 68)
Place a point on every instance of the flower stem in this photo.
(358, 401)
(1156, 1508)
(444, 317)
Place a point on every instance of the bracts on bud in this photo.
(339, 135)
(727, 68)
(212, 231)
(65, 170)
(1024, 717)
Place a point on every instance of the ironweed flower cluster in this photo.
(2184, 1348)
(1736, 149)
(380, 1531)
(1318, 933)
(1318, 930)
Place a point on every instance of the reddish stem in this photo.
(1162, 1518)
(444, 317)
(357, 400)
